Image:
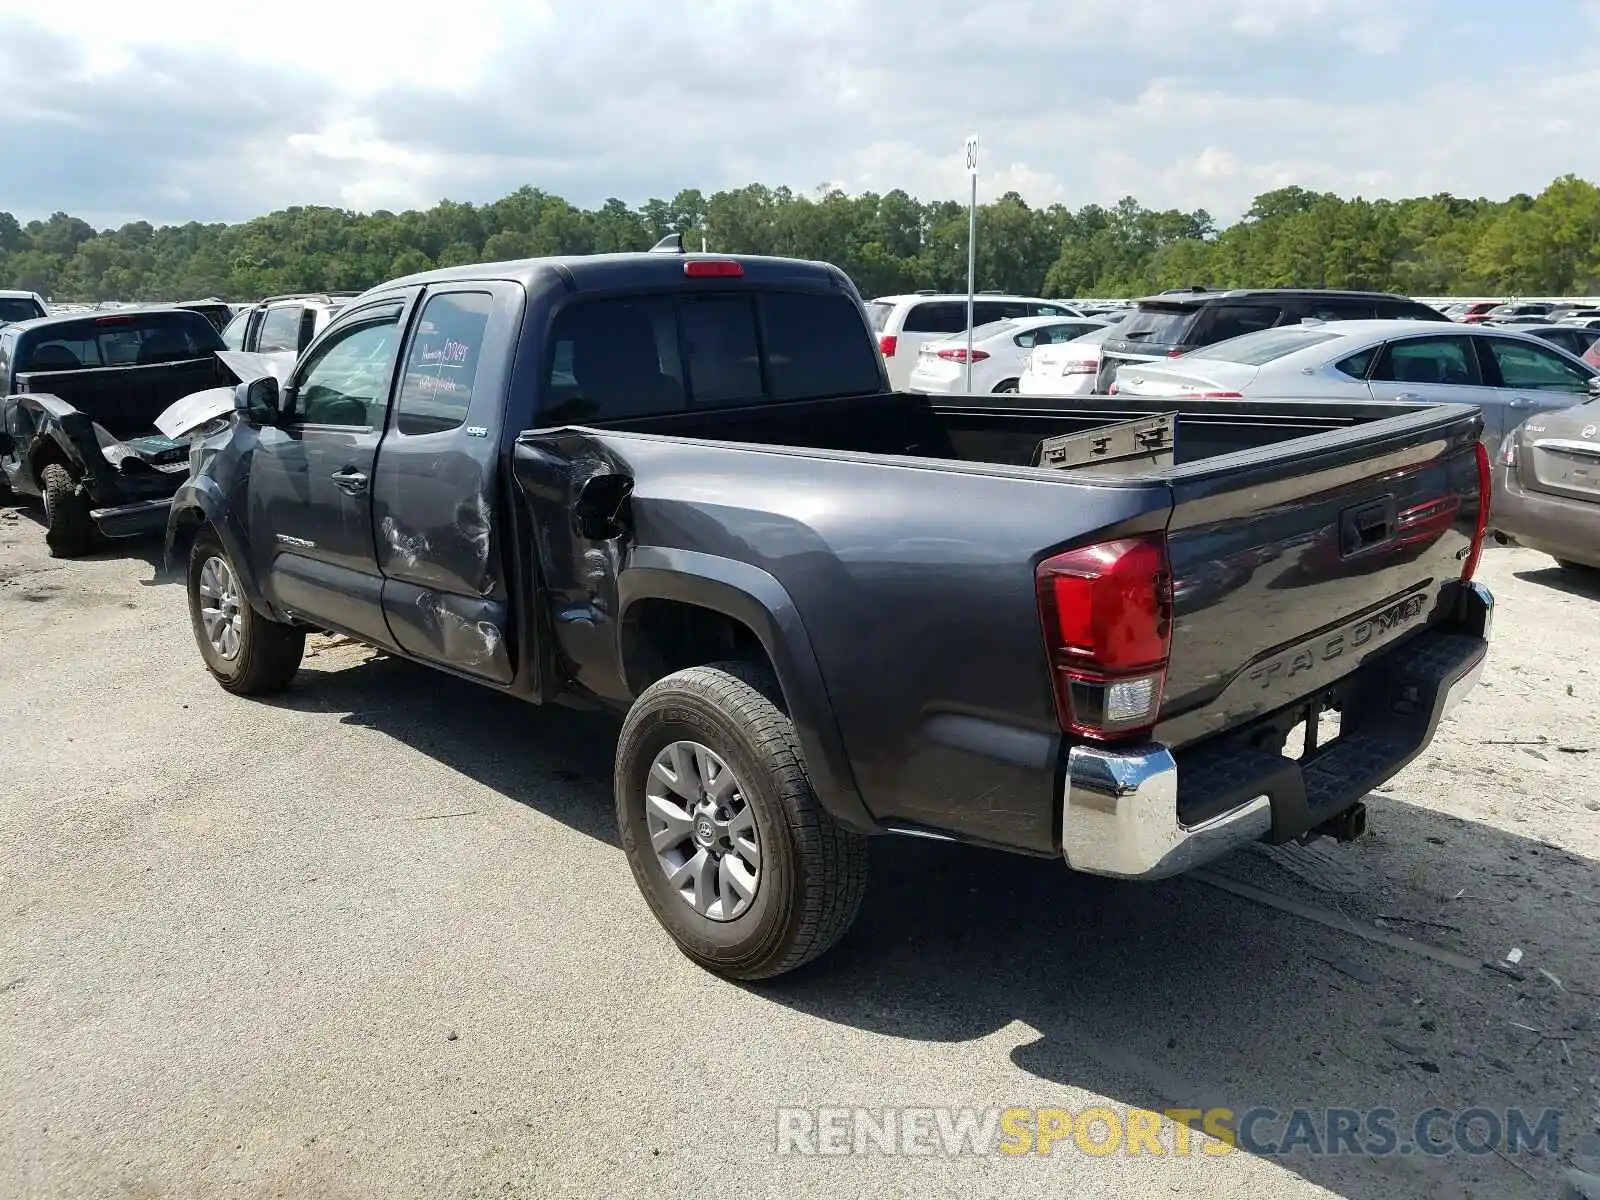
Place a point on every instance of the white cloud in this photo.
(223, 111)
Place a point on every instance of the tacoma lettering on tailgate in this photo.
(1330, 646)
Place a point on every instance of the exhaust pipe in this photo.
(1347, 826)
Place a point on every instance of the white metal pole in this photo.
(972, 247)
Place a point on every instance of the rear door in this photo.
(437, 479)
(1527, 378)
(1438, 369)
(310, 497)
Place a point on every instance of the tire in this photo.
(265, 654)
(812, 871)
(1009, 385)
(69, 530)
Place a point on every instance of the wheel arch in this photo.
(675, 606)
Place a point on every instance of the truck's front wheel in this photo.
(69, 529)
(727, 841)
(247, 653)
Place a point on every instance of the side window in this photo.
(1336, 308)
(1047, 310)
(984, 311)
(611, 359)
(233, 335)
(1359, 363)
(1445, 360)
(436, 389)
(1230, 320)
(1531, 368)
(347, 380)
(280, 329)
(938, 316)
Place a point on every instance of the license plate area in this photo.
(1316, 731)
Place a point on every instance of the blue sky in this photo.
(222, 111)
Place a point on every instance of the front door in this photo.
(1531, 379)
(311, 476)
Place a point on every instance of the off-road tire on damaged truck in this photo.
(80, 398)
(677, 486)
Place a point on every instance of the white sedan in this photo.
(1000, 352)
(1508, 375)
(1065, 368)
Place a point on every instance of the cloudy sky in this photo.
(173, 110)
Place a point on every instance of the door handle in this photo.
(1407, 397)
(1519, 402)
(350, 480)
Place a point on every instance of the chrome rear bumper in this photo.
(1119, 812)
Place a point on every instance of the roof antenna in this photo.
(671, 244)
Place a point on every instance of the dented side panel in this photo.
(433, 507)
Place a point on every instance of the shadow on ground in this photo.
(1177, 995)
(1581, 582)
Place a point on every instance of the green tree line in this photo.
(1431, 245)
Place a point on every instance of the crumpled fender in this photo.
(201, 502)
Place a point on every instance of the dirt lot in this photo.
(376, 939)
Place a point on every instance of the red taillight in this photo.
(1082, 366)
(1213, 395)
(1111, 388)
(960, 356)
(1107, 616)
(1176, 353)
(717, 268)
(886, 344)
(116, 319)
(1481, 532)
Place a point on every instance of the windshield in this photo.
(18, 308)
(1255, 349)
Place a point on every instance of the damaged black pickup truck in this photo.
(676, 485)
(77, 421)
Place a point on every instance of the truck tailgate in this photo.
(1295, 563)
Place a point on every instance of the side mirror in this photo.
(258, 401)
(1594, 388)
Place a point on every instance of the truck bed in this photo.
(125, 401)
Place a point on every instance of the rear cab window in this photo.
(118, 341)
(653, 355)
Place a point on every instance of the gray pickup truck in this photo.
(677, 485)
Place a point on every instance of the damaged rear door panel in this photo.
(436, 479)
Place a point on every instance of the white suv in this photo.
(904, 323)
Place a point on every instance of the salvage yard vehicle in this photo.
(677, 486)
(1547, 485)
(81, 395)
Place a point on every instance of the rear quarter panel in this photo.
(913, 583)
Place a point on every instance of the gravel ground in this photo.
(375, 938)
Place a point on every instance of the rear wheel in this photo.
(69, 530)
(1010, 385)
(734, 854)
(247, 653)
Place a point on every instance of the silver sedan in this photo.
(1508, 375)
